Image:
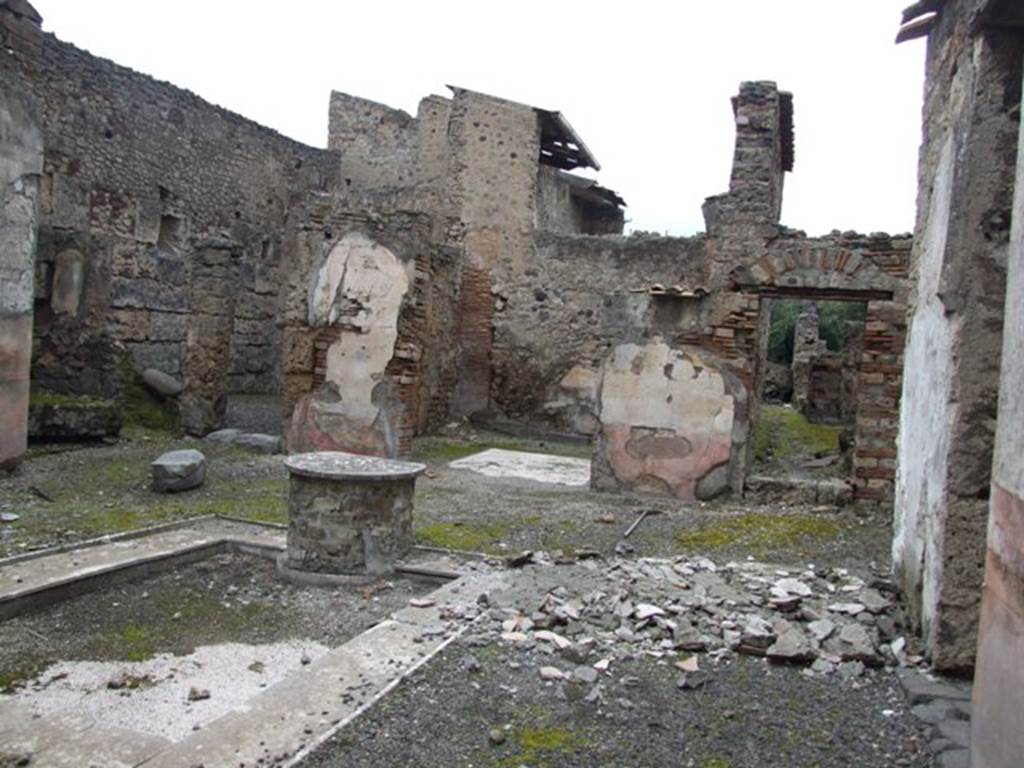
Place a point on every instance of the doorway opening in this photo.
(809, 368)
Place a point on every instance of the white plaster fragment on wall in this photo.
(925, 411)
(361, 284)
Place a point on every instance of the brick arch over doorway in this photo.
(875, 275)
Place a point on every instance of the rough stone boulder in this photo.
(161, 383)
(178, 471)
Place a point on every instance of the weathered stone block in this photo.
(178, 471)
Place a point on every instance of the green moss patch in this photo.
(758, 533)
(141, 408)
(539, 741)
(783, 432)
(473, 537)
(173, 616)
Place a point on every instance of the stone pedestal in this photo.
(348, 514)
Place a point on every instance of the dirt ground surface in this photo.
(64, 494)
(222, 599)
(750, 715)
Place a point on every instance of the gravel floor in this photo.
(750, 715)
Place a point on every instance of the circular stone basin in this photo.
(349, 514)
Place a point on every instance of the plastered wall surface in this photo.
(21, 158)
(666, 421)
(358, 290)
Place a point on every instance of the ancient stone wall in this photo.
(377, 144)
(972, 108)
(563, 206)
(136, 173)
(560, 310)
(21, 162)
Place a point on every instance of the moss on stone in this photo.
(473, 537)
(41, 398)
(141, 408)
(758, 533)
(13, 678)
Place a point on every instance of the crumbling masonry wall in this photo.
(567, 303)
(137, 173)
(954, 343)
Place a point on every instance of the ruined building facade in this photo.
(426, 268)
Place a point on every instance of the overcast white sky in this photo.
(645, 83)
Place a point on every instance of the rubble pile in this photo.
(692, 614)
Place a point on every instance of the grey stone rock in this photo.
(198, 694)
(162, 383)
(848, 670)
(577, 653)
(757, 636)
(821, 630)
(823, 667)
(714, 483)
(584, 674)
(260, 443)
(934, 712)
(873, 601)
(496, 736)
(791, 646)
(957, 731)
(178, 471)
(9, 517)
(920, 689)
(687, 637)
(224, 435)
(856, 645)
